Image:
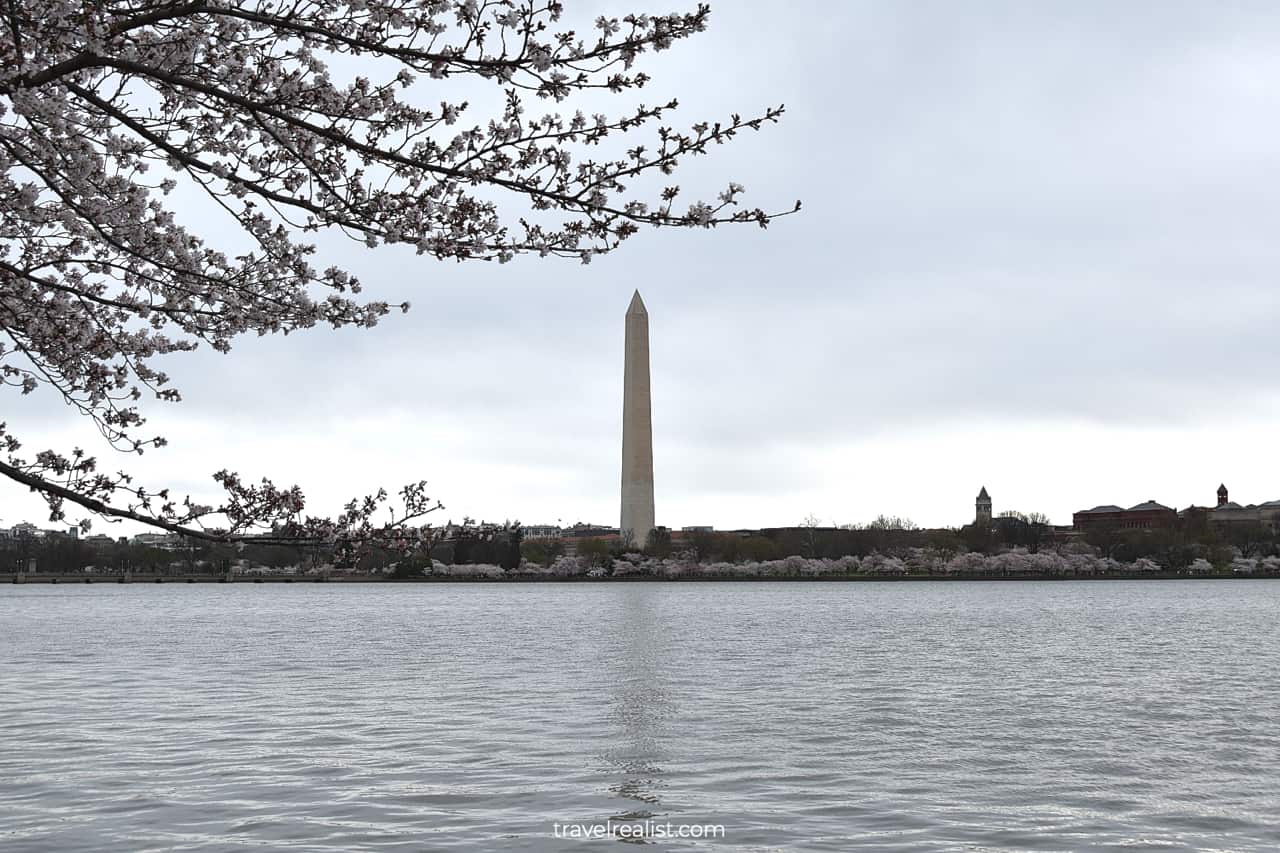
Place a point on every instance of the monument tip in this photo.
(637, 305)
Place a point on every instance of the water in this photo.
(880, 716)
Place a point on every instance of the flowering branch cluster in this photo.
(106, 105)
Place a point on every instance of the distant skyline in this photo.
(1037, 253)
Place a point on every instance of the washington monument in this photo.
(637, 430)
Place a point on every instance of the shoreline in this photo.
(89, 580)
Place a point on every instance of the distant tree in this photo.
(978, 538)
(469, 542)
(658, 543)
(464, 549)
(1250, 538)
(107, 107)
(890, 533)
(758, 549)
(595, 552)
(511, 536)
(728, 547)
(704, 545)
(1022, 530)
(1179, 554)
(444, 552)
(275, 556)
(543, 552)
(412, 566)
(1221, 556)
(53, 553)
(371, 560)
(810, 527)
(1105, 537)
(892, 522)
(945, 543)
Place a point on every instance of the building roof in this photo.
(1222, 489)
(983, 494)
(1103, 508)
(1146, 506)
(1228, 505)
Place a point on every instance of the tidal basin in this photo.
(879, 716)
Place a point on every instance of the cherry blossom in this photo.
(107, 107)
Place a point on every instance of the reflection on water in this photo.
(1082, 716)
(639, 704)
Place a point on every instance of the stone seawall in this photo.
(23, 577)
(525, 578)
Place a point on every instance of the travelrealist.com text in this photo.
(638, 829)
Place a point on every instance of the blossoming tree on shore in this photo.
(106, 106)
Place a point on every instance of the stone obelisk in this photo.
(637, 429)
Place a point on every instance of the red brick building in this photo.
(1144, 516)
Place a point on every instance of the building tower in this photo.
(1222, 495)
(637, 429)
(983, 515)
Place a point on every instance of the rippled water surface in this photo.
(808, 716)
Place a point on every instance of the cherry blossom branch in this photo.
(99, 280)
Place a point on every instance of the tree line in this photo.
(1176, 547)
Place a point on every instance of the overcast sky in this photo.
(1038, 253)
